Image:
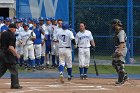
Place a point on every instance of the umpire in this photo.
(8, 56)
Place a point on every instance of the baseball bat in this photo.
(95, 65)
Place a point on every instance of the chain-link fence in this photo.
(98, 14)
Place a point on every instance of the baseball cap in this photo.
(12, 26)
(48, 19)
(41, 18)
(7, 19)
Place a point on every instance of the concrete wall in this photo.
(11, 4)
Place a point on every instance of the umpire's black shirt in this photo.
(8, 39)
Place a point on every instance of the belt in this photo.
(64, 47)
(83, 47)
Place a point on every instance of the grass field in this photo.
(103, 69)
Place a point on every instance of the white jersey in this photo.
(18, 32)
(53, 28)
(1, 24)
(57, 30)
(25, 36)
(83, 39)
(30, 25)
(64, 37)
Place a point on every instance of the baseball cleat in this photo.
(34, 69)
(85, 77)
(119, 83)
(61, 78)
(125, 79)
(69, 78)
(81, 77)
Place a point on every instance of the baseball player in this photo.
(43, 47)
(1, 22)
(30, 22)
(48, 26)
(120, 52)
(7, 23)
(59, 28)
(65, 37)
(37, 42)
(84, 41)
(53, 46)
(14, 19)
(26, 37)
(19, 46)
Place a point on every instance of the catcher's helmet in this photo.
(117, 21)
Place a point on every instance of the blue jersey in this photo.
(38, 39)
(4, 28)
(48, 41)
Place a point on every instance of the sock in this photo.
(26, 62)
(58, 60)
(69, 70)
(32, 63)
(85, 70)
(61, 68)
(37, 61)
(81, 70)
(29, 63)
(53, 59)
(42, 60)
(21, 60)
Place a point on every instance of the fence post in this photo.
(129, 30)
(73, 11)
(17, 8)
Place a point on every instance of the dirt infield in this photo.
(92, 85)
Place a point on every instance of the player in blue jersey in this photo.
(7, 23)
(37, 42)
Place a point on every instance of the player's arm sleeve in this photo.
(91, 37)
(92, 42)
(76, 39)
(71, 35)
(121, 37)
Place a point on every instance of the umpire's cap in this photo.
(117, 21)
(65, 26)
(12, 26)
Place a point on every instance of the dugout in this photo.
(7, 8)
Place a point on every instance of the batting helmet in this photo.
(117, 21)
(65, 26)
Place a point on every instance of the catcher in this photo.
(120, 52)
